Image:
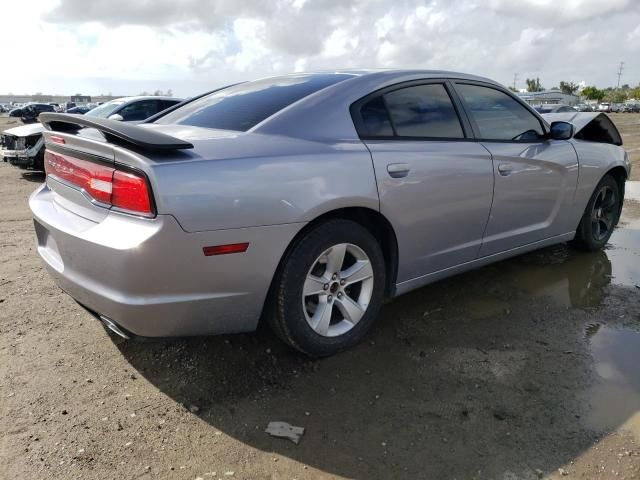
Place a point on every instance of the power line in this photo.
(620, 69)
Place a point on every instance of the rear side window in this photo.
(498, 116)
(421, 111)
(376, 118)
(243, 106)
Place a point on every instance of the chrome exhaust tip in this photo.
(111, 325)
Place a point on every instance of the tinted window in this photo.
(423, 111)
(243, 106)
(376, 118)
(164, 104)
(499, 116)
(139, 110)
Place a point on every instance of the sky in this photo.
(190, 46)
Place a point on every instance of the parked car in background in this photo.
(29, 113)
(605, 107)
(23, 146)
(553, 108)
(67, 105)
(79, 110)
(133, 109)
(306, 199)
(584, 107)
(631, 108)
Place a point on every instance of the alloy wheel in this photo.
(337, 290)
(604, 213)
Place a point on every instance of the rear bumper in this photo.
(152, 278)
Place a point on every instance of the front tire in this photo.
(600, 217)
(330, 289)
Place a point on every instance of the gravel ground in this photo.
(523, 369)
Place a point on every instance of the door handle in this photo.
(398, 170)
(505, 169)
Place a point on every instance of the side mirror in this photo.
(561, 131)
(117, 117)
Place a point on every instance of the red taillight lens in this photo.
(126, 190)
(130, 192)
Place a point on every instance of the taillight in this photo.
(111, 187)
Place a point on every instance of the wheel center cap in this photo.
(334, 287)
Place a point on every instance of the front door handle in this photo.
(505, 169)
(398, 170)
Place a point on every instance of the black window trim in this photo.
(476, 131)
(465, 125)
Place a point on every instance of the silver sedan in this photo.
(305, 200)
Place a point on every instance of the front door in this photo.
(535, 178)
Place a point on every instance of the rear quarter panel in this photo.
(269, 182)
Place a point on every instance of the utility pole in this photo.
(515, 79)
(620, 69)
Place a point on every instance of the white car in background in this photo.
(23, 146)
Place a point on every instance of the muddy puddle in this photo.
(576, 279)
(614, 399)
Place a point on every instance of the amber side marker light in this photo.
(225, 249)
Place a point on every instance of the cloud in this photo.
(565, 12)
(194, 45)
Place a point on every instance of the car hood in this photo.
(26, 130)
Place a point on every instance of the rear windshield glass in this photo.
(243, 106)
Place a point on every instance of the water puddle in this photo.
(614, 400)
(571, 278)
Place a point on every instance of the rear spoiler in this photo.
(119, 132)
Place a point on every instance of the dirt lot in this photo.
(525, 369)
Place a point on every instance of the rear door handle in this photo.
(398, 170)
(505, 169)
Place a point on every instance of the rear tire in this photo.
(600, 217)
(330, 289)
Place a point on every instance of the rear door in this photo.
(435, 183)
(535, 178)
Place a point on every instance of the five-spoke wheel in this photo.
(330, 288)
(601, 215)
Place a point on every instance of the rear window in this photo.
(243, 106)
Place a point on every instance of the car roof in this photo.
(145, 97)
(324, 115)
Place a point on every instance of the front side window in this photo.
(498, 116)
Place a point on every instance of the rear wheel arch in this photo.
(376, 223)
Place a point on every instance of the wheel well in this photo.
(620, 176)
(375, 223)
